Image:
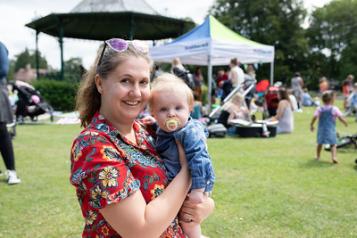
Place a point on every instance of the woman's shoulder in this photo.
(89, 139)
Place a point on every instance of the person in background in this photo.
(237, 108)
(323, 84)
(221, 77)
(352, 102)
(284, 114)
(326, 132)
(236, 74)
(297, 84)
(170, 104)
(293, 101)
(307, 100)
(271, 100)
(6, 147)
(251, 71)
(347, 88)
(198, 79)
(120, 180)
(180, 71)
(197, 110)
(155, 72)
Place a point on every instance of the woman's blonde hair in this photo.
(166, 82)
(88, 99)
(236, 101)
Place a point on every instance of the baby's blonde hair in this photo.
(169, 82)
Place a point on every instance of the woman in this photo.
(6, 147)
(120, 181)
(237, 108)
(179, 70)
(284, 113)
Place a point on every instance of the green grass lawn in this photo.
(265, 187)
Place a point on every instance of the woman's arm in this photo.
(231, 116)
(132, 217)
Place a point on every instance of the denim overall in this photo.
(326, 133)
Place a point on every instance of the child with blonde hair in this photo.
(170, 104)
(326, 132)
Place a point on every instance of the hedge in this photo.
(60, 94)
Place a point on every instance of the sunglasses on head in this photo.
(121, 45)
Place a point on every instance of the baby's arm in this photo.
(197, 195)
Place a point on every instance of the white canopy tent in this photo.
(211, 44)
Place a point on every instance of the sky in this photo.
(14, 14)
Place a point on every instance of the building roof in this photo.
(104, 19)
(140, 6)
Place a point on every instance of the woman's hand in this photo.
(273, 119)
(196, 212)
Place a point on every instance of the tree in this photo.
(28, 57)
(73, 69)
(333, 29)
(273, 22)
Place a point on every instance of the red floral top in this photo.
(106, 168)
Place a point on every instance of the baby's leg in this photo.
(193, 229)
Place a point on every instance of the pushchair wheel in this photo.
(34, 118)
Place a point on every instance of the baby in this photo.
(170, 104)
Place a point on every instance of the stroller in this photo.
(30, 103)
(346, 141)
(244, 128)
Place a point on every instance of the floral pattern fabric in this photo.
(106, 168)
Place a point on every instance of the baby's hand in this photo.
(148, 120)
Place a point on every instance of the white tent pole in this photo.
(209, 64)
(209, 98)
(271, 73)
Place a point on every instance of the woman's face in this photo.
(125, 91)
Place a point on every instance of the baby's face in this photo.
(170, 109)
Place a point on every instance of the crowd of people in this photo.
(278, 103)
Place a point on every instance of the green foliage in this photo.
(333, 28)
(60, 94)
(272, 22)
(11, 73)
(29, 57)
(73, 69)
